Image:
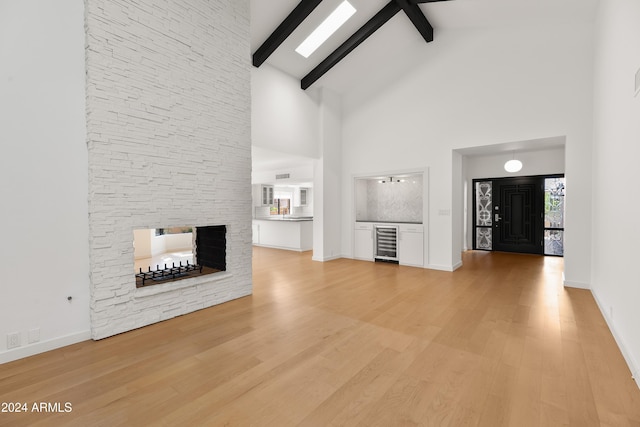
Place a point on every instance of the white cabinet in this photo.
(411, 245)
(262, 195)
(301, 197)
(267, 194)
(363, 241)
(410, 242)
(283, 234)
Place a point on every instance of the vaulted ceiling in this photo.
(306, 7)
(397, 34)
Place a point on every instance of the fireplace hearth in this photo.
(207, 254)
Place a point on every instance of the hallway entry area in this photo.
(499, 342)
(519, 214)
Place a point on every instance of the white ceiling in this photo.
(397, 34)
(543, 144)
(383, 53)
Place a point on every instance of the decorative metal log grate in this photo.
(167, 273)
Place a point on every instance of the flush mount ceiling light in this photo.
(513, 165)
(329, 26)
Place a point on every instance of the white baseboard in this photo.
(284, 248)
(449, 268)
(577, 285)
(633, 365)
(572, 284)
(428, 266)
(327, 258)
(43, 346)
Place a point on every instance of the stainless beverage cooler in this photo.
(386, 244)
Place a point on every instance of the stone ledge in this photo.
(180, 284)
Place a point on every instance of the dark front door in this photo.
(517, 214)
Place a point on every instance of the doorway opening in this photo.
(519, 214)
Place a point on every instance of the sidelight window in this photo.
(554, 193)
(483, 213)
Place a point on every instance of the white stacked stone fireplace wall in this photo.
(168, 122)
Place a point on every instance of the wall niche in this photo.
(397, 198)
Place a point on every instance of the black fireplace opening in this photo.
(211, 247)
(206, 253)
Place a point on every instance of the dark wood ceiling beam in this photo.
(418, 19)
(424, 1)
(284, 30)
(352, 42)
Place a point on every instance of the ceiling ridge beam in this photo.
(380, 18)
(418, 19)
(284, 30)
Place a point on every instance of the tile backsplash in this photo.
(390, 201)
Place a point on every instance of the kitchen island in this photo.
(284, 232)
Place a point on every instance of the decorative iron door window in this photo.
(482, 215)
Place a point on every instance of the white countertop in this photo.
(284, 218)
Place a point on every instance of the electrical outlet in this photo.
(13, 340)
(34, 335)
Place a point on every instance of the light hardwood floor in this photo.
(499, 342)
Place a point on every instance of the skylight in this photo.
(329, 26)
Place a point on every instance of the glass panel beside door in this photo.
(482, 215)
(554, 191)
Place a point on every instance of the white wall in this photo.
(142, 243)
(178, 242)
(284, 117)
(43, 175)
(158, 243)
(303, 123)
(478, 87)
(147, 244)
(299, 172)
(327, 182)
(616, 207)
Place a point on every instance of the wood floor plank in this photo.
(499, 342)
